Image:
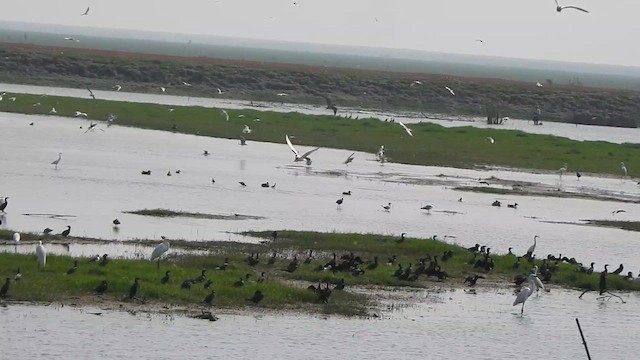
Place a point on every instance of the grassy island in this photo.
(285, 287)
(432, 144)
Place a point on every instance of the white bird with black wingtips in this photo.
(299, 157)
(405, 128)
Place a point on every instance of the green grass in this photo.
(625, 225)
(282, 289)
(432, 144)
(52, 284)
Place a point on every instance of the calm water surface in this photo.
(99, 179)
(449, 325)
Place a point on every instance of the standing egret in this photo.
(16, 240)
(41, 253)
(562, 170)
(532, 248)
(159, 250)
(524, 294)
(57, 161)
(623, 168)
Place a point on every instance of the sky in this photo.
(508, 28)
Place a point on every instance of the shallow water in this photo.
(426, 324)
(99, 179)
(582, 132)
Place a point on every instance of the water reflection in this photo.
(432, 323)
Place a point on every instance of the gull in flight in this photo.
(91, 127)
(220, 92)
(186, 84)
(71, 39)
(282, 94)
(12, 99)
(560, 8)
(226, 115)
(415, 82)
(297, 154)
(80, 113)
(349, 159)
(53, 111)
(480, 40)
(490, 139)
(91, 93)
(405, 128)
(539, 85)
(86, 12)
(162, 89)
(246, 130)
(117, 87)
(449, 90)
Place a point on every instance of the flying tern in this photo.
(298, 156)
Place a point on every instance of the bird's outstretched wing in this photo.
(350, 158)
(329, 102)
(226, 115)
(575, 7)
(91, 93)
(291, 146)
(558, 5)
(405, 128)
(304, 156)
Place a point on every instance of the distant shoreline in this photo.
(294, 83)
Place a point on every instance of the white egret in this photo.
(450, 90)
(225, 113)
(16, 240)
(246, 130)
(41, 253)
(525, 293)
(405, 128)
(57, 161)
(159, 251)
(298, 156)
(562, 170)
(535, 280)
(623, 168)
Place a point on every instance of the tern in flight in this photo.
(298, 156)
(86, 12)
(449, 90)
(117, 87)
(220, 92)
(246, 130)
(405, 128)
(560, 8)
(91, 94)
(415, 82)
(225, 113)
(80, 113)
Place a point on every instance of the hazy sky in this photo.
(511, 28)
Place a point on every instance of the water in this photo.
(449, 324)
(582, 132)
(99, 178)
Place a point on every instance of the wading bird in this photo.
(525, 293)
(41, 253)
(159, 250)
(623, 168)
(57, 161)
(16, 240)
